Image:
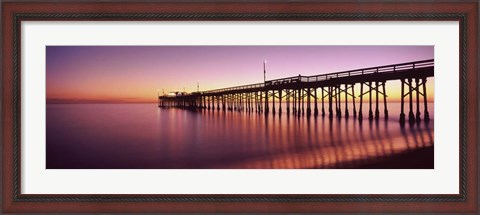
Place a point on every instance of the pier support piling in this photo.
(402, 102)
(302, 96)
(426, 115)
(411, 116)
(417, 87)
(266, 103)
(323, 103)
(370, 112)
(385, 109)
(353, 101)
(273, 102)
(299, 109)
(280, 102)
(360, 115)
(294, 102)
(377, 112)
(346, 101)
(315, 111)
(309, 110)
(339, 107)
(330, 97)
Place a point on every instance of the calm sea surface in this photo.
(141, 136)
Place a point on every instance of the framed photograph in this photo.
(280, 107)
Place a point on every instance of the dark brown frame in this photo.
(13, 13)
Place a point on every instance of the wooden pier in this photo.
(326, 91)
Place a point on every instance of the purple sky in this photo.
(134, 73)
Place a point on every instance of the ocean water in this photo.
(144, 136)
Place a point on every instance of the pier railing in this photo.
(372, 70)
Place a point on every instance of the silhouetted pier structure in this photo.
(326, 91)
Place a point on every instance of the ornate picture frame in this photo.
(14, 13)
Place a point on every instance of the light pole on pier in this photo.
(198, 87)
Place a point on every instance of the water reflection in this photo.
(143, 136)
(333, 144)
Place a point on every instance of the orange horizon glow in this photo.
(393, 89)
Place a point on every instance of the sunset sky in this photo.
(134, 73)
